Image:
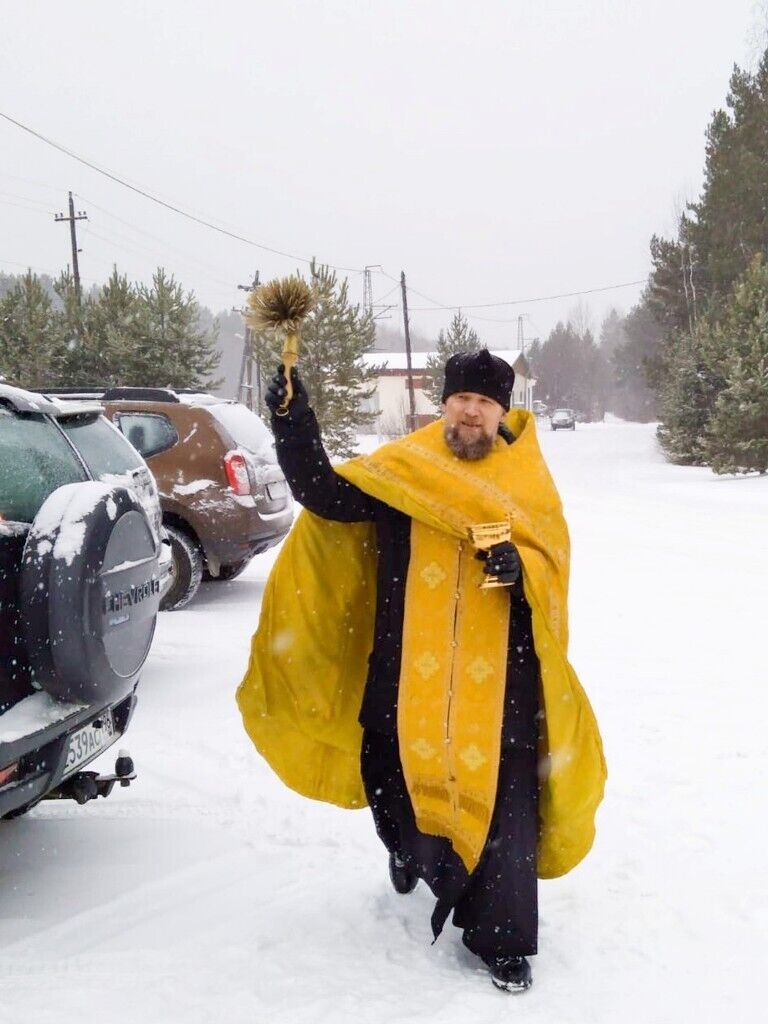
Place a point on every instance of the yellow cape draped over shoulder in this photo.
(301, 695)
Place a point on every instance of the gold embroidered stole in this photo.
(451, 696)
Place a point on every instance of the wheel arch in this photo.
(182, 524)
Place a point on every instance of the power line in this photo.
(520, 302)
(438, 306)
(161, 202)
(31, 181)
(134, 247)
(27, 199)
(28, 209)
(186, 256)
(305, 259)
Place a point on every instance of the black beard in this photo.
(472, 451)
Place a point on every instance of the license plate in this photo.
(88, 741)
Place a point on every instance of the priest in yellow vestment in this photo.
(384, 673)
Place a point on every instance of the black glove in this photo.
(502, 561)
(299, 404)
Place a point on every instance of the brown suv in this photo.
(223, 496)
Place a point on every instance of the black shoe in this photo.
(510, 973)
(403, 880)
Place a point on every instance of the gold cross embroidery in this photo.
(426, 665)
(472, 757)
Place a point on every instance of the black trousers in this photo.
(497, 905)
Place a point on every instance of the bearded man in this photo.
(382, 672)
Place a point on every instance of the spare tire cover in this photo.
(90, 591)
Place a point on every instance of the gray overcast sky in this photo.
(496, 150)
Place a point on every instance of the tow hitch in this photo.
(85, 786)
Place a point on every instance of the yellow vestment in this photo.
(301, 695)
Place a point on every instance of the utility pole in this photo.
(246, 363)
(411, 396)
(368, 306)
(367, 290)
(81, 215)
(520, 334)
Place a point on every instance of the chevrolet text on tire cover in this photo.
(90, 592)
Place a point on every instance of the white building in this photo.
(391, 401)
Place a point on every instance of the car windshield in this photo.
(102, 447)
(245, 428)
(34, 460)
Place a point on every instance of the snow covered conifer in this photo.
(28, 351)
(687, 395)
(737, 434)
(459, 337)
(333, 339)
(167, 345)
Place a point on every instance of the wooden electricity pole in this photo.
(246, 365)
(411, 396)
(81, 215)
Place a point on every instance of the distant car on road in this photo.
(81, 577)
(563, 419)
(223, 495)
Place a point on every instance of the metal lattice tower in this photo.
(367, 290)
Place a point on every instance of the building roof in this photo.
(397, 360)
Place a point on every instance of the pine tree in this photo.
(29, 354)
(109, 326)
(730, 221)
(687, 396)
(459, 337)
(167, 347)
(571, 372)
(634, 356)
(121, 333)
(693, 276)
(737, 439)
(737, 433)
(721, 232)
(79, 351)
(334, 338)
(612, 334)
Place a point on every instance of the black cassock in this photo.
(496, 906)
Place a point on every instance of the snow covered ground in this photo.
(208, 892)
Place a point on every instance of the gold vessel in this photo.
(483, 536)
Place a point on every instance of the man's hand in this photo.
(502, 561)
(299, 404)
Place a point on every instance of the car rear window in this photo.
(245, 428)
(34, 460)
(101, 446)
(149, 433)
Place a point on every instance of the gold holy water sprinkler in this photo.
(483, 536)
(281, 306)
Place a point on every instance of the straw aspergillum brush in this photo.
(281, 306)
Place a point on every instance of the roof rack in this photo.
(131, 394)
(141, 394)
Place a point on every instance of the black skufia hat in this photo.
(480, 372)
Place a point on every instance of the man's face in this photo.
(471, 422)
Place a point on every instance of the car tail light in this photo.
(237, 473)
(8, 773)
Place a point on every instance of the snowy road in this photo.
(208, 892)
